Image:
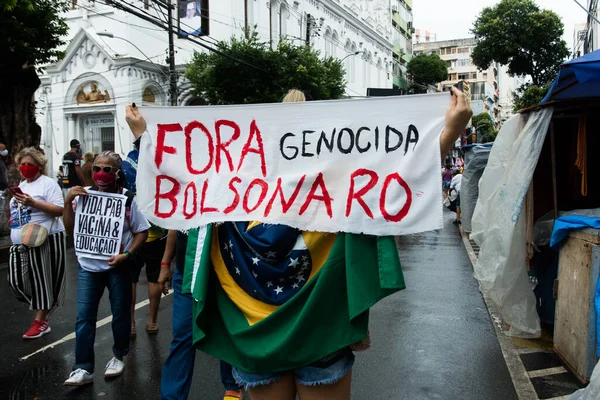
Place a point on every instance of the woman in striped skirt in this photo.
(37, 274)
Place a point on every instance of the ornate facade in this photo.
(114, 58)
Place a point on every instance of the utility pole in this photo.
(308, 23)
(172, 72)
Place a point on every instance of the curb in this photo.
(518, 373)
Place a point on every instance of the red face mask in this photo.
(104, 179)
(29, 171)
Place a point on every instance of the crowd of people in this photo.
(43, 212)
(452, 178)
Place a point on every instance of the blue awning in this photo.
(578, 78)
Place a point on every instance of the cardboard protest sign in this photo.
(99, 219)
(362, 166)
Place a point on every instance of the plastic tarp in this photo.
(476, 158)
(592, 391)
(563, 225)
(578, 78)
(499, 223)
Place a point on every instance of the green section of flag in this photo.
(331, 311)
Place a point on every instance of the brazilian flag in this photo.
(272, 298)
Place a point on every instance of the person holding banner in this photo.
(100, 271)
(285, 306)
(175, 384)
(36, 274)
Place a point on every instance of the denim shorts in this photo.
(326, 371)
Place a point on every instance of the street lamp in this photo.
(351, 54)
(110, 35)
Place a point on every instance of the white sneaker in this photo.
(79, 377)
(114, 368)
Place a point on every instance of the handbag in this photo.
(32, 234)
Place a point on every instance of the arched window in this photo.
(283, 18)
(328, 43)
(367, 68)
(249, 14)
(352, 63)
(334, 44)
(380, 73)
(274, 22)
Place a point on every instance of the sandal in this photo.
(151, 328)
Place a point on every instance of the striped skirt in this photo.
(37, 274)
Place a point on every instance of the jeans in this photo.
(90, 288)
(179, 366)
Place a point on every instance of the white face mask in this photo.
(4, 153)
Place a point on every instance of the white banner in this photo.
(362, 166)
(99, 219)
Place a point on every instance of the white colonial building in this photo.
(114, 58)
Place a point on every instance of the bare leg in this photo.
(458, 213)
(338, 391)
(154, 293)
(283, 389)
(42, 315)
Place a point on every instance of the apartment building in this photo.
(457, 55)
(592, 40)
(402, 34)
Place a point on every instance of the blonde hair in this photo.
(89, 156)
(37, 157)
(294, 96)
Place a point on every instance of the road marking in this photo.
(71, 336)
(546, 372)
(521, 381)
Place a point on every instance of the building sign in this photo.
(361, 166)
(193, 18)
(100, 121)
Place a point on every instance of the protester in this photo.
(332, 332)
(95, 275)
(455, 193)
(178, 369)
(446, 178)
(86, 168)
(37, 274)
(60, 177)
(150, 255)
(72, 175)
(3, 176)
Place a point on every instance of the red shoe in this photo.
(38, 329)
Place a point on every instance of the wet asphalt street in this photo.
(433, 340)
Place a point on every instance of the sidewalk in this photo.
(537, 372)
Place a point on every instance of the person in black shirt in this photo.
(72, 174)
(3, 176)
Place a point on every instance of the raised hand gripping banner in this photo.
(361, 166)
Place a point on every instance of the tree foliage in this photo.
(529, 96)
(517, 33)
(220, 80)
(33, 31)
(484, 125)
(425, 70)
